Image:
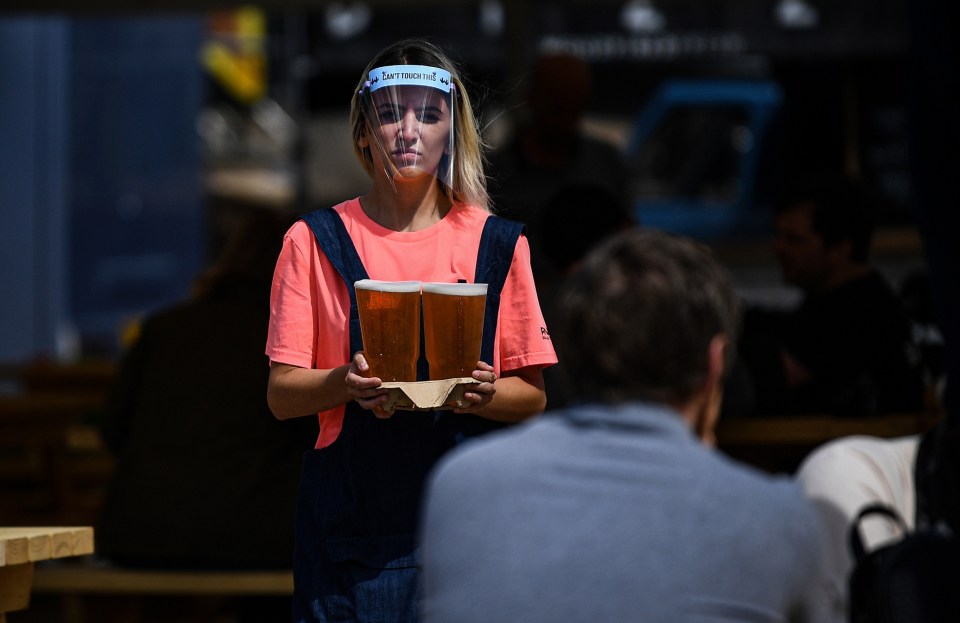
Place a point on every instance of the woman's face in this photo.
(411, 127)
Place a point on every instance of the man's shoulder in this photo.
(755, 495)
(762, 483)
(484, 462)
(499, 446)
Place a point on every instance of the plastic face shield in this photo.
(410, 126)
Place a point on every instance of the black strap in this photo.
(335, 242)
(494, 257)
(856, 540)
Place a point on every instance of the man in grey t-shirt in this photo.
(615, 509)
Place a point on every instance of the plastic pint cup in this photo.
(390, 327)
(453, 327)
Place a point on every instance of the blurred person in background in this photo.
(425, 218)
(616, 508)
(206, 477)
(917, 476)
(575, 219)
(844, 476)
(548, 150)
(846, 349)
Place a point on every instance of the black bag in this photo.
(915, 579)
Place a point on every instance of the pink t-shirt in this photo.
(310, 305)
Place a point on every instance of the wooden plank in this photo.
(816, 429)
(38, 484)
(83, 579)
(92, 377)
(15, 583)
(81, 542)
(779, 444)
(29, 544)
(17, 547)
(35, 409)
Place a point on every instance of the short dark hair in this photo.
(841, 208)
(636, 320)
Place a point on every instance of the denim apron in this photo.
(355, 557)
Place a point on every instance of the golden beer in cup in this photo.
(390, 327)
(453, 327)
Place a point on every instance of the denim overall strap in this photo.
(355, 557)
(336, 244)
(494, 257)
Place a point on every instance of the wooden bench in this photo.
(86, 592)
(22, 548)
(94, 579)
(53, 467)
(779, 443)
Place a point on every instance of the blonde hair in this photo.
(468, 183)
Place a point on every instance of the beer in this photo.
(390, 327)
(453, 327)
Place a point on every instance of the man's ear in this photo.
(717, 359)
(713, 390)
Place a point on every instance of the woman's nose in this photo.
(409, 127)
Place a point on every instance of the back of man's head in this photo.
(637, 319)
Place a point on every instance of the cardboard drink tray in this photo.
(427, 395)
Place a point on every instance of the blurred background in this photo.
(140, 137)
(134, 133)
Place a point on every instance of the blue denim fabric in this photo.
(355, 557)
(338, 578)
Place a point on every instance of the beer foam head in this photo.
(456, 289)
(387, 286)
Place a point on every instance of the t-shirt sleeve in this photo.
(524, 338)
(291, 335)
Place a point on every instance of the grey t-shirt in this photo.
(612, 514)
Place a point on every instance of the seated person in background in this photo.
(917, 476)
(842, 477)
(846, 349)
(617, 509)
(549, 151)
(206, 476)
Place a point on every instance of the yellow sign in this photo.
(235, 54)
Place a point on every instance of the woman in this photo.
(425, 218)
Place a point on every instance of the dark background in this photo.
(105, 209)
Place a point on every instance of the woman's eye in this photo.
(430, 117)
(388, 115)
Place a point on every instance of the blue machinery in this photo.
(707, 186)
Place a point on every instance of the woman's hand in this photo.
(365, 390)
(480, 395)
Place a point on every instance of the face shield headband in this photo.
(410, 124)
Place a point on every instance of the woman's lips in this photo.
(407, 156)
